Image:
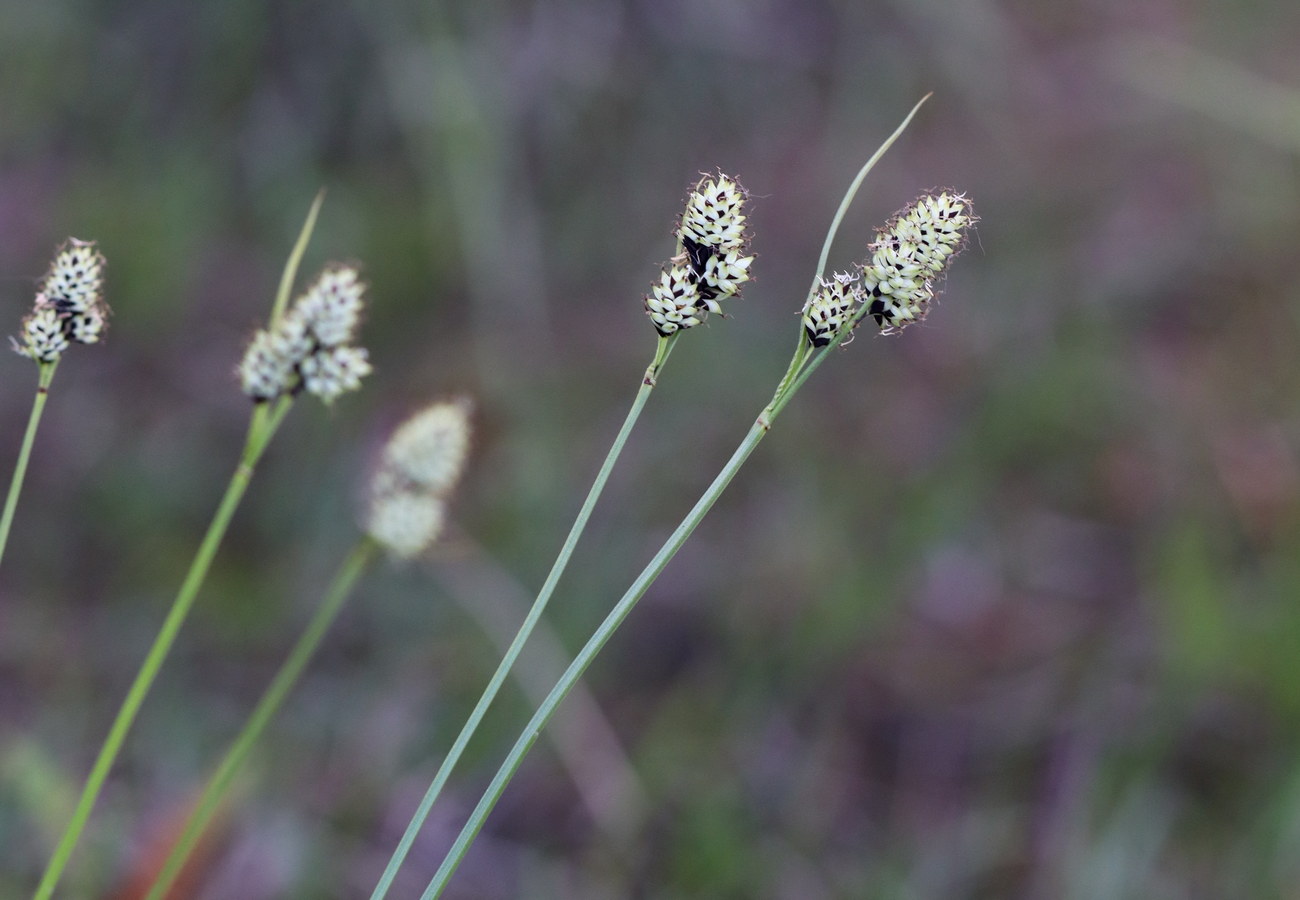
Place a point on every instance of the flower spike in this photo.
(420, 466)
(910, 254)
(69, 307)
(713, 262)
(310, 346)
(827, 311)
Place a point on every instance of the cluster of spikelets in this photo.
(712, 263)
(69, 306)
(898, 285)
(310, 346)
(420, 466)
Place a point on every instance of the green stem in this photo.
(593, 646)
(801, 348)
(258, 438)
(664, 348)
(25, 454)
(852, 192)
(802, 365)
(219, 782)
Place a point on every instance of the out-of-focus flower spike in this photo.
(43, 337)
(75, 281)
(419, 468)
(310, 346)
(429, 449)
(405, 524)
(332, 371)
(70, 306)
(332, 305)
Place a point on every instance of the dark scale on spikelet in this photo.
(698, 255)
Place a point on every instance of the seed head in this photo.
(712, 263)
(331, 371)
(714, 215)
(44, 339)
(713, 237)
(270, 367)
(332, 305)
(827, 311)
(420, 466)
(70, 306)
(428, 450)
(76, 277)
(674, 301)
(910, 254)
(310, 346)
(405, 523)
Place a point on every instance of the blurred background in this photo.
(1005, 606)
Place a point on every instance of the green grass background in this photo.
(1007, 606)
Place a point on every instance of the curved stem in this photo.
(257, 441)
(662, 351)
(853, 190)
(845, 202)
(353, 567)
(580, 662)
(25, 454)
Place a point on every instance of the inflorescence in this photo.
(310, 346)
(897, 286)
(69, 307)
(712, 263)
(420, 466)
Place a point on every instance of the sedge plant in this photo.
(711, 263)
(894, 287)
(408, 493)
(306, 347)
(69, 309)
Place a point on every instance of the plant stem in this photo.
(258, 438)
(25, 454)
(340, 588)
(593, 646)
(803, 363)
(663, 349)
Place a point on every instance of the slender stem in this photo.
(262, 412)
(662, 351)
(257, 441)
(290, 272)
(853, 190)
(25, 454)
(353, 567)
(593, 646)
(801, 366)
(840, 212)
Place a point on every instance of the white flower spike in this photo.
(419, 468)
(70, 306)
(713, 263)
(310, 348)
(827, 311)
(910, 254)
